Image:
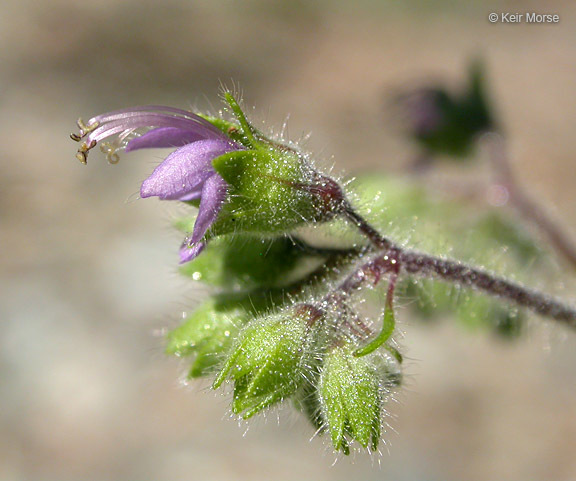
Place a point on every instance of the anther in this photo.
(75, 137)
(86, 129)
(89, 146)
(82, 154)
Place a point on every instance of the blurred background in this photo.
(88, 272)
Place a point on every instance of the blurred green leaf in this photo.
(245, 262)
(208, 332)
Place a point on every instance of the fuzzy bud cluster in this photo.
(273, 330)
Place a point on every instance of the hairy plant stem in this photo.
(424, 265)
(392, 258)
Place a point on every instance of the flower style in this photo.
(186, 174)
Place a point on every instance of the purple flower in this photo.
(186, 174)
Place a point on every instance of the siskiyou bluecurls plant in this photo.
(286, 319)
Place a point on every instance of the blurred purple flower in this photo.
(186, 174)
(423, 108)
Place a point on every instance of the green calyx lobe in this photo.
(267, 362)
(351, 400)
(269, 189)
(265, 192)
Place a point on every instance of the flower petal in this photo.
(166, 137)
(213, 195)
(194, 194)
(188, 252)
(184, 169)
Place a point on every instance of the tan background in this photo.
(88, 273)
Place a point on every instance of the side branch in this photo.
(424, 265)
(394, 258)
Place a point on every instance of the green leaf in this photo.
(245, 262)
(388, 324)
(208, 333)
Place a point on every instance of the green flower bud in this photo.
(208, 334)
(352, 391)
(268, 361)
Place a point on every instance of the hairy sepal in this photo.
(267, 363)
(352, 391)
(265, 192)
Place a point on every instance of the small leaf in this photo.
(388, 324)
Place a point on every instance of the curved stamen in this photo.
(125, 122)
(86, 128)
(152, 110)
(111, 148)
(148, 120)
(116, 114)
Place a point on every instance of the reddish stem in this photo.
(393, 258)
